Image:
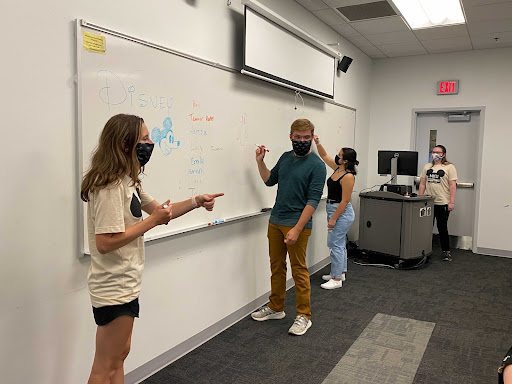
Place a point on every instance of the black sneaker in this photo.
(447, 256)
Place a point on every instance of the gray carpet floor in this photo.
(389, 351)
(468, 301)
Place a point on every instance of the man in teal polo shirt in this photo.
(300, 176)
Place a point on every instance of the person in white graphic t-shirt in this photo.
(439, 180)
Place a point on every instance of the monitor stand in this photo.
(394, 170)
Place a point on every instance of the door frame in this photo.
(481, 110)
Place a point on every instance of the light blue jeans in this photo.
(336, 238)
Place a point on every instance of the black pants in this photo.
(441, 214)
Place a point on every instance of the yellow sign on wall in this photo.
(94, 43)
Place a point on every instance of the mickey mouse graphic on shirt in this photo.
(435, 177)
(135, 206)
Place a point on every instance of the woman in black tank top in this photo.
(340, 214)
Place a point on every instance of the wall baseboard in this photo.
(166, 358)
(494, 252)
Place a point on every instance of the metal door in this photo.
(460, 137)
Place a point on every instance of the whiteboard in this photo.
(205, 121)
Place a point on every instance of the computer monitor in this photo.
(406, 163)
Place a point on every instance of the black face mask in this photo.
(301, 148)
(337, 160)
(144, 151)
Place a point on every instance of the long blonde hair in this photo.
(115, 155)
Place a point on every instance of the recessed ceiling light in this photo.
(430, 13)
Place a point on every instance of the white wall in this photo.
(351, 88)
(402, 84)
(192, 281)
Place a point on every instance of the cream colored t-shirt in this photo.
(115, 278)
(438, 181)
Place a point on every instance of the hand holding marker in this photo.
(262, 147)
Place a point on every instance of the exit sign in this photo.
(448, 87)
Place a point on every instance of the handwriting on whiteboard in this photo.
(242, 132)
(195, 118)
(114, 92)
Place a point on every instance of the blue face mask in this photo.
(144, 151)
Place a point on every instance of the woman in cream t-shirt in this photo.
(112, 188)
(439, 180)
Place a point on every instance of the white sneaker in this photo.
(265, 313)
(332, 284)
(329, 277)
(300, 325)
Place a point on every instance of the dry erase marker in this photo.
(259, 146)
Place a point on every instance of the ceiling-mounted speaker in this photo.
(344, 63)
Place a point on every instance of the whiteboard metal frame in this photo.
(202, 226)
(85, 24)
(78, 88)
(81, 23)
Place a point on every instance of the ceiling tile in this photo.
(481, 27)
(381, 25)
(346, 3)
(329, 16)
(453, 44)
(472, 3)
(371, 50)
(379, 56)
(441, 32)
(488, 40)
(489, 12)
(359, 41)
(503, 37)
(392, 38)
(405, 49)
(345, 30)
(313, 5)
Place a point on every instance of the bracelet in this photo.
(194, 201)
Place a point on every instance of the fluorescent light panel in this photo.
(430, 13)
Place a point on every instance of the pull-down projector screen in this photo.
(273, 53)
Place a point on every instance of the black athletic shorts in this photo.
(105, 315)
